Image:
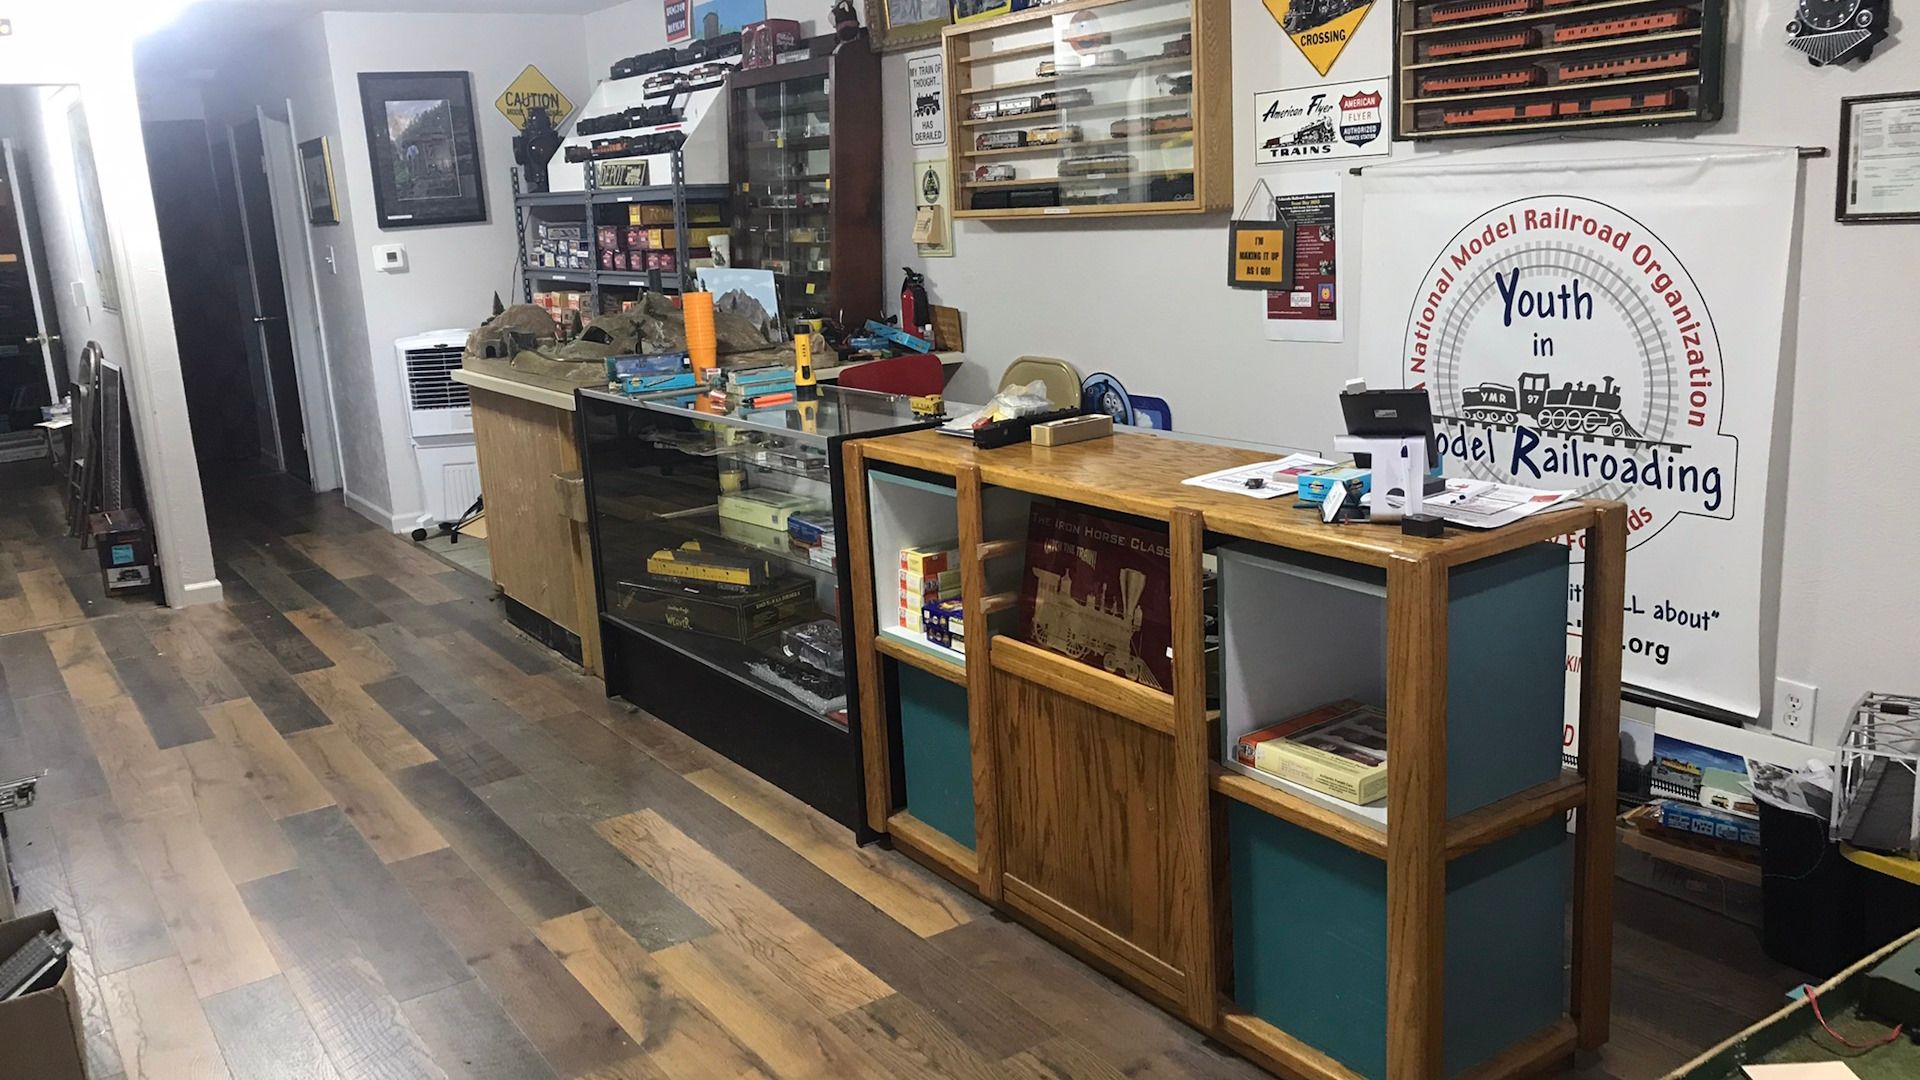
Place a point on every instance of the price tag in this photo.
(809, 288)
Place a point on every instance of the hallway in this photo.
(348, 824)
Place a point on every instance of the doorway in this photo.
(267, 296)
(33, 370)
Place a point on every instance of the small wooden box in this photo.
(1072, 430)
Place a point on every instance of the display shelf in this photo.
(1146, 104)
(1066, 149)
(1074, 75)
(1013, 53)
(911, 648)
(1091, 178)
(1526, 16)
(1556, 50)
(541, 273)
(658, 193)
(1476, 95)
(1362, 828)
(1609, 121)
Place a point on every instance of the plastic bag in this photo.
(1007, 404)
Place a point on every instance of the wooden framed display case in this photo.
(721, 577)
(805, 158)
(1420, 937)
(1091, 107)
(1493, 67)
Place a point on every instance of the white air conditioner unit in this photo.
(440, 421)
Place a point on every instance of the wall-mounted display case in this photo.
(717, 560)
(1091, 107)
(806, 179)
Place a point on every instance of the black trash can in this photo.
(1810, 895)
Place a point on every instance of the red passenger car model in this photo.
(1512, 79)
(1498, 114)
(1477, 9)
(1617, 66)
(1651, 100)
(1651, 23)
(1482, 43)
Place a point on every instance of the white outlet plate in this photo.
(1793, 705)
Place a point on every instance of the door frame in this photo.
(22, 192)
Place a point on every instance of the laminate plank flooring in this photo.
(350, 825)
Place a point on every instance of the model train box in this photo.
(762, 43)
(1315, 485)
(1339, 749)
(736, 616)
(764, 509)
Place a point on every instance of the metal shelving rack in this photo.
(679, 193)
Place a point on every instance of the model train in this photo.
(1135, 126)
(1096, 165)
(1575, 410)
(1503, 41)
(1511, 79)
(1477, 9)
(1617, 66)
(688, 565)
(1651, 23)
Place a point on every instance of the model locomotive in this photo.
(1096, 165)
(688, 565)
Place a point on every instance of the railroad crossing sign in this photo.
(532, 90)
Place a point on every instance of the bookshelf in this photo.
(1424, 936)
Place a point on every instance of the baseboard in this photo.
(202, 592)
(379, 515)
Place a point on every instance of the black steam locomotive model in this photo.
(1574, 410)
(1303, 15)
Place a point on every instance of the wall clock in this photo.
(1836, 31)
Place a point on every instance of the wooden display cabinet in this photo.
(1420, 938)
(1132, 98)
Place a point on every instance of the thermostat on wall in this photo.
(390, 258)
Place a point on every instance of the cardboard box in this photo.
(766, 509)
(40, 1033)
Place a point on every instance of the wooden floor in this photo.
(349, 825)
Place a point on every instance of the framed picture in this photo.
(424, 147)
(898, 24)
(316, 182)
(1879, 180)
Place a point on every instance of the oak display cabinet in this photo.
(1091, 107)
(1421, 938)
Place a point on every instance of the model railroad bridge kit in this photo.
(1584, 411)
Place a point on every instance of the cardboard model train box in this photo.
(1099, 590)
(734, 616)
(1340, 749)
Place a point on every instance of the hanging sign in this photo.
(533, 90)
(926, 88)
(1308, 309)
(1608, 322)
(1326, 121)
(679, 20)
(1320, 29)
(1260, 250)
(933, 208)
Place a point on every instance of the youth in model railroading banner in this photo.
(1608, 321)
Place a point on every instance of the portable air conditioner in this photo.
(440, 421)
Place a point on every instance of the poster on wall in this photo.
(1610, 324)
(1320, 29)
(1309, 310)
(717, 18)
(1323, 122)
(933, 203)
(926, 88)
(679, 20)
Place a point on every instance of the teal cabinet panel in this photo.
(936, 752)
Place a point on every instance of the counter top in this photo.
(551, 392)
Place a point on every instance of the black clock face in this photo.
(1821, 15)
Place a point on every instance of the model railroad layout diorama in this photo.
(1490, 67)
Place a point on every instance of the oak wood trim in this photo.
(998, 602)
(875, 726)
(935, 846)
(1522, 810)
(1554, 524)
(1000, 549)
(1341, 829)
(1601, 618)
(1129, 958)
(1192, 812)
(1101, 689)
(1416, 811)
(1541, 1054)
(937, 666)
(1275, 1050)
(982, 735)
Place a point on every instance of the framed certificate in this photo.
(1879, 159)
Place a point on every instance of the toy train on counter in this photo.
(1609, 105)
(1502, 41)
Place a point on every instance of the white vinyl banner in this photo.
(1607, 321)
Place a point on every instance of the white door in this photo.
(310, 358)
(44, 343)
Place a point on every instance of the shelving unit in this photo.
(1174, 61)
(1422, 937)
(1524, 83)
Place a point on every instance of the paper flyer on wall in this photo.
(1310, 310)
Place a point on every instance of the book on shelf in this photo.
(1339, 749)
(1099, 590)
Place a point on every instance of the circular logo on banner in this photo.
(1565, 346)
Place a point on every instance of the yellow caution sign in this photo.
(532, 90)
(1320, 28)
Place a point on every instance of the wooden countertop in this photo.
(1142, 474)
(559, 394)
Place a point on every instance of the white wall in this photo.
(69, 44)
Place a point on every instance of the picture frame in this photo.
(424, 148)
(1894, 188)
(316, 182)
(893, 25)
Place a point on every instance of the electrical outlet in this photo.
(1793, 703)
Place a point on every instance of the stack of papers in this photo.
(1483, 504)
(1278, 477)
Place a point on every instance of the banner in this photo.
(1607, 322)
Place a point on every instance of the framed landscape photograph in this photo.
(424, 147)
(316, 181)
(898, 24)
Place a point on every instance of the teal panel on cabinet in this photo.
(1506, 674)
(1505, 943)
(936, 752)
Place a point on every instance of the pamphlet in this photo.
(1482, 504)
(1278, 477)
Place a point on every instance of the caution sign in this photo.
(1320, 28)
(533, 90)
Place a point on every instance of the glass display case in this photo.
(717, 539)
(1093, 107)
(805, 161)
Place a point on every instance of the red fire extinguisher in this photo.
(915, 312)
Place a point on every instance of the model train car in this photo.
(1498, 114)
(1477, 9)
(1096, 165)
(1652, 22)
(1511, 79)
(1617, 66)
(1049, 136)
(1623, 102)
(688, 565)
(992, 173)
(1000, 140)
(1504, 41)
(1135, 126)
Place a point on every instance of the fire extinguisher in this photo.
(915, 313)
